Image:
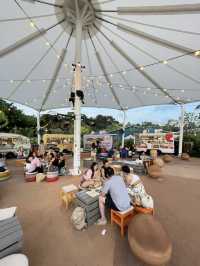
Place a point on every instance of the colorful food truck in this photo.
(163, 142)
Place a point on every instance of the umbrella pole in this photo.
(180, 150)
(38, 129)
(123, 129)
(77, 106)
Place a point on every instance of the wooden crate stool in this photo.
(122, 218)
(138, 209)
(67, 194)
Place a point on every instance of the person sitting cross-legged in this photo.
(114, 195)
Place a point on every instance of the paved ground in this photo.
(49, 239)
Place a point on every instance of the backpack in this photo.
(78, 218)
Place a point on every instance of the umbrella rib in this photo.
(26, 40)
(149, 37)
(101, 64)
(26, 14)
(160, 10)
(90, 70)
(26, 18)
(47, 3)
(152, 38)
(152, 25)
(116, 67)
(35, 66)
(153, 57)
(56, 72)
(134, 64)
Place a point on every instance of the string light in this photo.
(28, 81)
(44, 81)
(47, 44)
(11, 81)
(165, 62)
(124, 72)
(197, 53)
(111, 75)
(141, 68)
(182, 90)
(32, 24)
(148, 89)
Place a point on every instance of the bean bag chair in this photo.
(185, 157)
(167, 158)
(14, 260)
(52, 176)
(30, 177)
(4, 175)
(159, 162)
(148, 240)
(154, 171)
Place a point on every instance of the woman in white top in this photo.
(136, 189)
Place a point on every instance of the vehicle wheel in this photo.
(10, 155)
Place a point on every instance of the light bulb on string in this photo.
(11, 81)
(141, 68)
(165, 62)
(32, 24)
(197, 53)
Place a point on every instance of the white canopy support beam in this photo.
(38, 129)
(182, 121)
(160, 10)
(77, 104)
(142, 72)
(55, 75)
(22, 42)
(123, 128)
(154, 39)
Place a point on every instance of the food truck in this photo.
(162, 142)
(60, 141)
(105, 141)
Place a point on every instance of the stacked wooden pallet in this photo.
(90, 204)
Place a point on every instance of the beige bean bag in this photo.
(148, 240)
(185, 157)
(159, 162)
(167, 158)
(154, 171)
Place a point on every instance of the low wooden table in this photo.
(90, 204)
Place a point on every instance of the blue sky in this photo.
(156, 114)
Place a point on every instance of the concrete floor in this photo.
(50, 240)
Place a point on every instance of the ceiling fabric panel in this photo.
(123, 69)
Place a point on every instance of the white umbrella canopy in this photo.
(135, 53)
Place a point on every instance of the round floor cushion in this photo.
(148, 240)
(167, 158)
(159, 162)
(154, 171)
(30, 177)
(185, 157)
(4, 175)
(52, 176)
(14, 260)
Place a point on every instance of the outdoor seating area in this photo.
(53, 212)
(99, 133)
